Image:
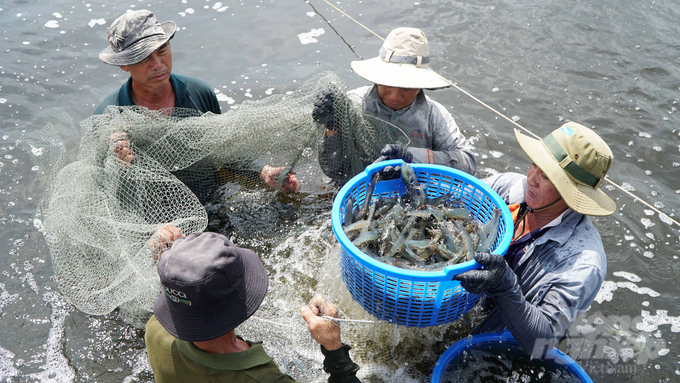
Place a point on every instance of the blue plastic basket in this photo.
(407, 297)
(562, 360)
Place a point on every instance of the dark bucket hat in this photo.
(134, 36)
(210, 286)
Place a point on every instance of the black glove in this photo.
(390, 173)
(495, 276)
(396, 152)
(323, 109)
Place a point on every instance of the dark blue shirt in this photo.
(190, 93)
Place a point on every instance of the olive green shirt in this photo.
(174, 360)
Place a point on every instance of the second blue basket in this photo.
(407, 297)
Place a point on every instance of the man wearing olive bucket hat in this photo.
(140, 45)
(556, 263)
(399, 74)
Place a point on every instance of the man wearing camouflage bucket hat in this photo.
(399, 74)
(140, 45)
(556, 263)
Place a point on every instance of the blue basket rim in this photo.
(503, 337)
(438, 275)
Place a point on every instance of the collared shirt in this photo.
(174, 360)
(433, 133)
(190, 93)
(560, 273)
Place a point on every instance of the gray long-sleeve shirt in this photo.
(435, 137)
(557, 278)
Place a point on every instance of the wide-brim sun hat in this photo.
(403, 62)
(576, 160)
(134, 36)
(209, 287)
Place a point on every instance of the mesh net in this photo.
(99, 210)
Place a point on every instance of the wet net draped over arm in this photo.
(98, 213)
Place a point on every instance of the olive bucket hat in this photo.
(403, 62)
(209, 286)
(134, 36)
(576, 160)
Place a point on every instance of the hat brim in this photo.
(396, 75)
(213, 322)
(140, 50)
(580, 198)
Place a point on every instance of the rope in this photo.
(337, 320)
(636, 198)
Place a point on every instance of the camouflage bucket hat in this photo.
(576, 160)
(134, 36)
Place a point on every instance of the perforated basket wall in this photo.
(406, 297)
(556, 356)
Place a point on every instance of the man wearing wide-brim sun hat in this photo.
(399, 74)
(556, 263)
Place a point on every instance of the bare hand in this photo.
(163, 239)
(270, 176)
(325, 331)
(121, 148)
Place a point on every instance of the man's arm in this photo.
(537, 327)
(327, 333)
(449, 146)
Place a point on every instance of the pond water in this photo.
(610, 65)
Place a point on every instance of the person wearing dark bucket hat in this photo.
(399, 74)
(209, 287)
(556, 263)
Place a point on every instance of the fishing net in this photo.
(99, 210)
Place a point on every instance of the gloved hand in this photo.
(396, 152)
(390, 173)
(495, 276)
(323, 109)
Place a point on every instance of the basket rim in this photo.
(439, 275)
(503, 337)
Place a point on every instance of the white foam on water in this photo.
(665, 219)
(495, 154)
(309, 37)
(640, 290)
(606, 292)
(6, 298)
(141, 365)
(7, 369)
(57, 368)
(57, 15)
(37, 151)
(607, 289)
(189, 11)
(629, 276)
(224, 97)
(52, 24)
(94, 22)
(647, 223)
(217, 5)
(645, 135)
(269, 91)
